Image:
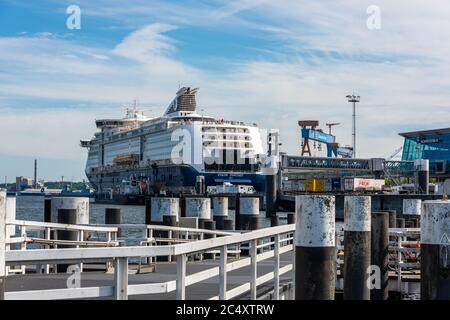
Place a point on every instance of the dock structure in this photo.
(205, 263)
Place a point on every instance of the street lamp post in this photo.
(354, 99)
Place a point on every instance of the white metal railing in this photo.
(282, 237)
(46, 236)
(404, 252)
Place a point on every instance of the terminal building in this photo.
(433, 145)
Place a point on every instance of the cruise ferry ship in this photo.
(134, 156)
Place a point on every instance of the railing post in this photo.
(223, 273)
(181, 277)
(23, 246)
(121, 278)
(254, 268)
(276, 269)
(2, 243)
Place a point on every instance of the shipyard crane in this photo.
(330, 125)
(310, 131)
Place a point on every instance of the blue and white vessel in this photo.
(137, 155)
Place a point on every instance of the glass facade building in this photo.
(433, 145)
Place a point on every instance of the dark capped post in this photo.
(356, 247)
(435, 250)
(315, 256)
(380, 255)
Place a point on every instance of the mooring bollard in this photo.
(47, 210)
(412, 209)
(79, 204)
(228, 224)
(249, 207)
(392, 218)
(435, 250)
(254, 223)
(315, 255)
(2, 243)
(10, 217)
(237, 212)
(209, 225)
(422, 175)
(356, 247)
(220, 211)
(379, 257)
(66, 216)
(164, 206)
(199, 207)
(114, 216)
(148, 211)
(274, 221)
(401, 223)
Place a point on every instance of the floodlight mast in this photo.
(353, 99)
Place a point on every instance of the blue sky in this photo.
(269, 62)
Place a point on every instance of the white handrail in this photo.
(122, 289)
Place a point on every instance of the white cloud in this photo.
(325, 51)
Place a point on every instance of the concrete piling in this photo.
(220, 211)
(10, 217)
(315, 256)
(170, 221)
(274, 221)
(380, 255)
(148, 211)
(209, 225)
(47, 210)
(254, 223)
(271, 195)
(249, 207)
(291, 218)
(392, 218)
(401, 223)
(412, 209)
(435, 250)
(66, 216)
(422, 175)
(356, 247)
(2, 243)
(79, 204)
(114, 216)
(199, 207)
(228, 224)
(237, 212)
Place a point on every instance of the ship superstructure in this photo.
(141, 155)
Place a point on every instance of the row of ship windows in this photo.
(228, 144)
(216, 129)
(225, 136)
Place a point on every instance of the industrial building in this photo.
(433, 145)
